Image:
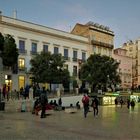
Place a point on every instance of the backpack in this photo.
(85, 100)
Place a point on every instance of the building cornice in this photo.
(59, 34)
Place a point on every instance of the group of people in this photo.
(129, 103)
(42, 104)
(86, 104)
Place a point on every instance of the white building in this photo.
(32, 39)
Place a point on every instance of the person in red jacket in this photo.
(85, 101)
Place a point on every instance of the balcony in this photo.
(99, 43)
(22, 51)
(66, 58)
(75, 59)
(33, 53)
(22, 69)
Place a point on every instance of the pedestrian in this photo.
(116, 102)
(44, 101)
(26, 94)
(95, 104)
(128, 103)
(31, 93)
(85, 101)
(132, 104)
(4, 91)
(121, 102)
(78, 105)
(60, 101)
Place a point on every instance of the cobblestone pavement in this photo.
(111, 124)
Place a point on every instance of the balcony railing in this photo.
(33, 53)
(66, 58)
(22, 51)
(22, 68)
(75, 59)
(99, 43)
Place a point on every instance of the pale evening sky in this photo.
(122, 16)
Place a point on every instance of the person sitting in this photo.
(36, 107)
(78, 105)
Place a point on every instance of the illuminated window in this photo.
(21, 81)
(21, 63)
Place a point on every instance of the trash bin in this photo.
(2, 106)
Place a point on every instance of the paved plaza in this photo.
(111, 124)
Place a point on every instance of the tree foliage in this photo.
(47, 67)
(100, 71)
(9, 52)
(1, 42)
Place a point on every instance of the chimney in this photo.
(15, 14)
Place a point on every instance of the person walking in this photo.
(44, 101)
(95, 104)
(132, 104)
(85, 101)
(116, 102)
(121, 102)
(128, 103)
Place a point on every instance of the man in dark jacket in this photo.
(44, 101)
(95, 106)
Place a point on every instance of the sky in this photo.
(122, 16)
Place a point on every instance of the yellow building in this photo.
(101, 38)
(133, 50)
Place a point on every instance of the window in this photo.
(74, 55)
(21, 63)
(83, 56)
(65, 52)
(34, 47)
(21, 81)
(94, 49)
(99, 50)
(74, 70)
(56, 50)
(45, 48)
(110, 53)
(21, 46)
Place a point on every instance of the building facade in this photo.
(32, 39)
(101, 38)
(133, 50)
(125, 67)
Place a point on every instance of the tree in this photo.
(10, 52)
(100, 71)
(49, 68)
(1, 42)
